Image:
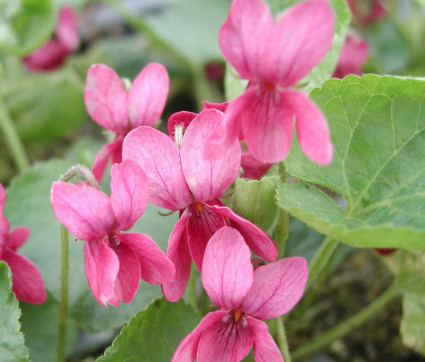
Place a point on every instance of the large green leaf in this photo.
(378, 132)
(153, 334)
(12, 347)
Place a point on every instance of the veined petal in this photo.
(102, 266)
(207, 180)
(277, 287)
(147, 95)
(312, 128)
(182, 118)
(160, 160)
(106, 99)
(85, 211)
(243, 36)
(265, 348)
(155, 267)
(298, 42)
(27, 281)
(255, 237)
(105, 154)
(225, 340)
(188, 347)
(253, 168)
(178, 253)
(227, 271)
(18, 237)
(129, 193)
(67, 28)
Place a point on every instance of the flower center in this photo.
(237, 314)
(269, 86)
(112, 239)
(199, 206)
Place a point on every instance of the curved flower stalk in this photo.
(245, 298)
(118, 110)
(274, 54)
(53, 54)
(115, 261)
(181, 179)
(27, 281)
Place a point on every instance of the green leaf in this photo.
(153, 334)
(378, 132)
(26, 24)
(12, 347)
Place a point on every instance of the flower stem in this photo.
(282, 226)
(63, 308)
(12, 138)
(281, 337)
(347, 326)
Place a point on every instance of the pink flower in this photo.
(27, 281)
(181, 179)
(274, 54)
(365, 12)
(65, 40)
(115, 261)
(353, 56)
(112, 107)
(245, 297)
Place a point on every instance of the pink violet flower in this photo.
(353, 56)
(181, 179)
(274, 54)
(118, 110)
(245, 298)
(114, 260)
(53, 54)
(365, 12)
(27, 280)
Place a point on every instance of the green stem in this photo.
(282, 341)
(346, 327)
(63, 308)
(12, 138)
(191, 288)
(281, 232)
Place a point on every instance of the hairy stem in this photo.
(282, 341)
(63, 307)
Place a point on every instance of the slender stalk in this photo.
(281, 232)
(12, 138)
(63, 307)
(347, 326)
(282, 341)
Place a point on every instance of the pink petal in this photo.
(353, 56)
(67, 28)
(277, 287)
(85, 211)
(50, 56)
(218, 106)
(106, 99)
(27, 281)
(253, 168)
(182, 118)
(244, 36)
(298, 42)
(4, 230)
(147, 95)
(265, 348)
(155, 267)
(2, 198)
(200, 227)
(312, 128)
(207, 180)
(18, 237)
(128, 278)
(178, 253)
(227, 271)
(159, 158)
(102, 266)
(129, 193)
(225, 340)
(106, 153)
(188, 347)
(255, 237)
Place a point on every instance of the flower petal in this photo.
(255, 237)
(129, 193)
(102, 266)
(353, 56)
(18, 237)
(252, 168)
(160, 160)
(265, 348)
(178, 253)
(106, 153)
(312, 128)
(67, 28)
(182, 118)
(188, 347)
(50, 56)
(298, 42)
(85, 211)
(2, 199)
(106, 99)
(207, 180)
(227, 271)
(277, 287)
(155, 267)
(243, 36)
(27, 281)
(147, 95)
